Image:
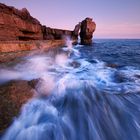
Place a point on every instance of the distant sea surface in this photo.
(124, 52)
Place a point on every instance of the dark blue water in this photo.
(121, 52)
(84, 93)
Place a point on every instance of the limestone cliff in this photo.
(18, 24)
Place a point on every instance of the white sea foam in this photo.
(74, 106)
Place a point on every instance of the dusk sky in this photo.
(114, 18)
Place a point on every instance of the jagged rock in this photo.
(34, 82)
(87, 28)
(57, 34)
(25, 13)
(76, 31)
(112, 65)
(47, 33)
(18, 24)
(12, 96)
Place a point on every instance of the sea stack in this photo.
(87, 28)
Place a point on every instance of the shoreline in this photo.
(11, 50)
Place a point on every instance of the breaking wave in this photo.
(79, 98)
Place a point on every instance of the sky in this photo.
(114, 18)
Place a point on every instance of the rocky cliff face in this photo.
(18, 24)
(54, 34)
(87, 28)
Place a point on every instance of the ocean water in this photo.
(84, 93)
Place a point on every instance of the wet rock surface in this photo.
(12, 96)
(112, 65)
(34, 82)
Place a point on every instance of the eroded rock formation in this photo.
(76, 31)
(87, 28)
(18, 24)
(55, 34)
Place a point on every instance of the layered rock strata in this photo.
(20, 25)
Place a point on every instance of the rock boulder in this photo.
(12, 96)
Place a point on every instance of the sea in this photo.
(83, 93)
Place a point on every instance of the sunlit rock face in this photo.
(18, 24)
(87, 28)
